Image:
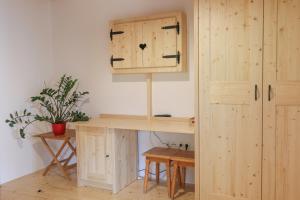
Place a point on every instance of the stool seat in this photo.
(160, 152)
(159, 155)
(184, 156)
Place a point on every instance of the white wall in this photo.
(81, 48)
(25, 62)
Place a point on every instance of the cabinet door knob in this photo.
(107, 156)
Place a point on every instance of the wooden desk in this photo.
(107, 147)
(62, 164)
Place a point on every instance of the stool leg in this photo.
(157, 172)
(168, 165)
(174, 180)
(179, 177)
(183, 175)
(146, 174)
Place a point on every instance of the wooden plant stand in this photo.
(62, 164)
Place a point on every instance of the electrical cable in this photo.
(159, 139)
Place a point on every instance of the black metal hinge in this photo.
(112, 60)
(112, 33)
(177, 56)
(177, 27)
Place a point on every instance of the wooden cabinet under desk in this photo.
(107, 147)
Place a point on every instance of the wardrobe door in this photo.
(281, 166)
(230, 75)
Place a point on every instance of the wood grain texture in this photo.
(107, 157)
(230, 65)
(125, 158)
(128, 122)
(126, 45)
(159, 42)
(197, 111)
(95, 168)
(57, 187)
(281, 169)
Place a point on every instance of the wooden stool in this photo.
(62, 164)
(159, 155)
(181, 160)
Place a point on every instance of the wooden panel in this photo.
(94, 167)
(197, 111)
(287, 152)
(288, 31)
(230, 65)
(125, 153)
(231, 25)
(160, 42)
(236, 151)
(126, 45)
(230, 93)
(287, 93)
(281, 170)
(223, 197)
(95, 156)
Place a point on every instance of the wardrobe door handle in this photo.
(256, 93)
(269, 92)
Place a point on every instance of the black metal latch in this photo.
(177, 27)
(177, 56)
(112, 33)
(112, 60)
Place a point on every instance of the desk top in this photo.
(142, 123)
(69, 134)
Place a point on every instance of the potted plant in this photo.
(57, 105)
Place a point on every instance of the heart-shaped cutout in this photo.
(143, 46)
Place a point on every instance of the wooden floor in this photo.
(55, 187)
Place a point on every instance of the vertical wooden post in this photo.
(149, 96)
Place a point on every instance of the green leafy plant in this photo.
(58, 105)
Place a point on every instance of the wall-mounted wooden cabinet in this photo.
(149, 44)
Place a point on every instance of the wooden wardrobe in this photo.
(248, 89)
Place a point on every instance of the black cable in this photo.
(160, 140)
(151, 172)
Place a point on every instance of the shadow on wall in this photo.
(161, 77)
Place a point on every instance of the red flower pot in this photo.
(59, 129)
